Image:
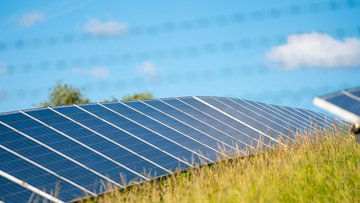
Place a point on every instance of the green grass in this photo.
(325, 170)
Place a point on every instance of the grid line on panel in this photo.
(248, 136)
(269, 127)
(174, 129)
(294, 116)
(86, 146)
(332, 119)
(30, 187)
(282, 113)
(61, 154)
(320, 121)
(110, 140)
(193, 128)
(273, 114)
(21, 147)
(29, 148)
(131, 134)
(224, 133)
(47, 170)
(312, 118)
(277, 112)
(198, 154)
(228, 115)
(282, 126)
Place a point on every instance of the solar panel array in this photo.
(344, 103)
(66, 153)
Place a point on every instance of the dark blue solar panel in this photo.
(355, 91)
(307, 118)
(242, 140)
(347, 103)
(49, 159)
(37, 177)
(126, 139)
(89, 145)
(297, 117)
(280, 115)
(97, 142)
(14, 193)
(165, 131)
(198, 125)
(211, 145)
(66, 146)
(216, 114)
(318, 120)
(259, 122)
(253, 109)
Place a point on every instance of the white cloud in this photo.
(106, 28)
(316, 50)
(95, 72)
(29, 19)
(148, 69)
(100, 72)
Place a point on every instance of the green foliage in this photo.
(63, 94)
(112, 99)
(138, 96)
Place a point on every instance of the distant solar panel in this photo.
(344, 104)
(65, 153)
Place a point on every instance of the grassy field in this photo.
(327, 170)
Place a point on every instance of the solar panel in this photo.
(344, 104)
(65, 153)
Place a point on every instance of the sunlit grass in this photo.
(325, 169)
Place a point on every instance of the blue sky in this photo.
(282, 52)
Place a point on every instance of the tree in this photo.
(63, 94)
(138, 96)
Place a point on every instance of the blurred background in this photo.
(280, 52)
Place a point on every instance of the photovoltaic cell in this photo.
(202, 129)
(188, 146)
(254, 122)
(45, 157)
(242, 141)
(66, 146)
(255, 136)
(210, 149)
(87, 149)
(37, 177)
(259, 114)
(126, 139)
(96, 142)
